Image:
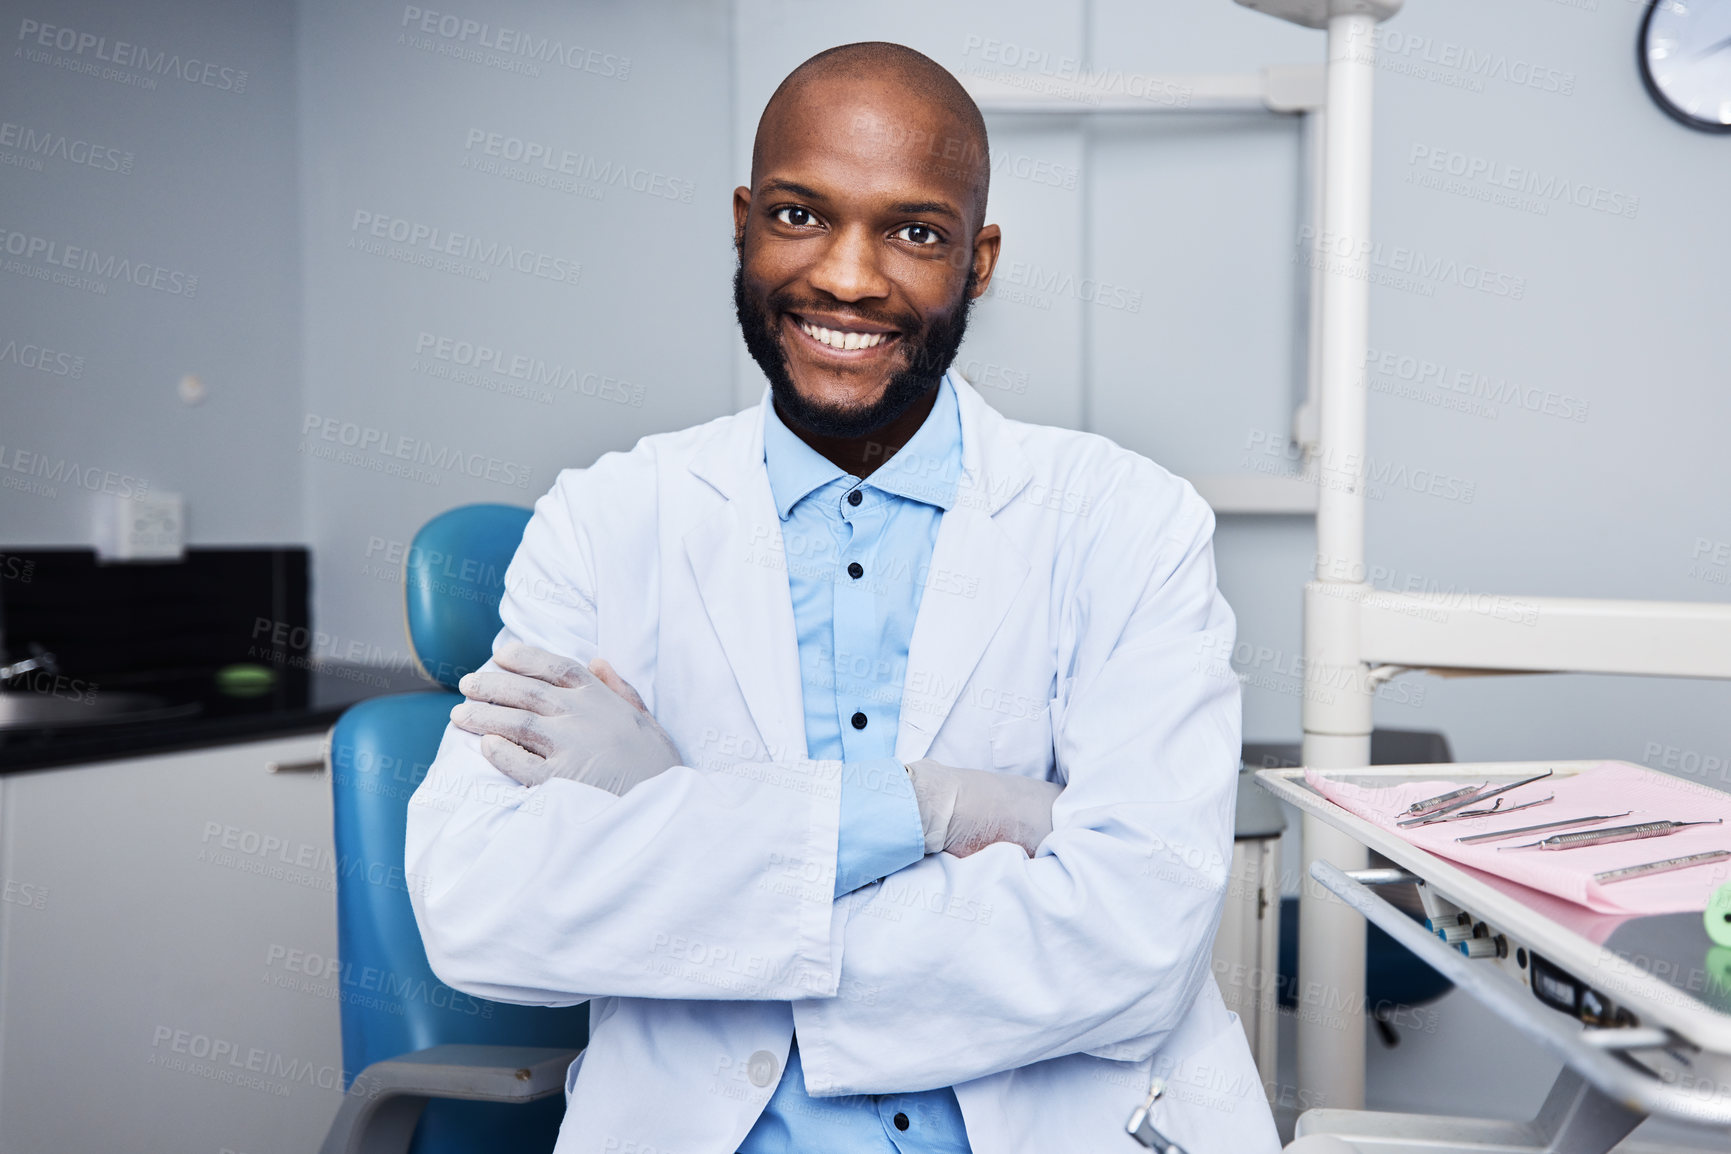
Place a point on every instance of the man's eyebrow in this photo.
(926, 208)
(793, 187)
(901, 208)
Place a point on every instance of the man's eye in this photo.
(795, 216)
(919, 234)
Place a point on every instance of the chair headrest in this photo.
(453, 579)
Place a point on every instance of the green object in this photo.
(1718, 915)
(1718, 966)
(245, 680)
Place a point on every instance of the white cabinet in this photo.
(1247, 948)
(163, 941)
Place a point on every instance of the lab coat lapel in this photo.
(741, 571)
(976, 573)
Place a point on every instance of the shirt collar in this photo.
(926, 469)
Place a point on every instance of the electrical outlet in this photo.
(149, 527)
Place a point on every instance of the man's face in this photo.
(860, 253)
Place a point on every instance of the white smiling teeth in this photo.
(840, 340)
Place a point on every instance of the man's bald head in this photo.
(945, 122)
(862, 243)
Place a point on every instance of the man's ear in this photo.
(986, 243)
(741, 212)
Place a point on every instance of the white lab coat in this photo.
(1070, 610)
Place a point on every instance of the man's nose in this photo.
(848, 270)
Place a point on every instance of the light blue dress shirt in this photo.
(857, 555)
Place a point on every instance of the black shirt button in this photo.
(901, 1121)
(854, 497)
(859, 721)
(855, 570)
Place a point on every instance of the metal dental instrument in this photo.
(1141, 1129)
(1495, 808)
(1661, 867)
(1431, 805)
(1466, 801)
(1499, 835)
(1588, 837)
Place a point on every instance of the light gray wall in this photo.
(301, 318)
(257, 194)
(1200, 215)
(629, 313)
(163, 162)
(1615, 321)
(1615, 315)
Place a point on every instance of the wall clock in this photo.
(1685, 53)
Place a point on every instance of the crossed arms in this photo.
(719, 883)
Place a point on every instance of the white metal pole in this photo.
(1337, 695)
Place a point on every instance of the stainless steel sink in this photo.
(42, 711)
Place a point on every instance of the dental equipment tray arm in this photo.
(1593, 1053)
(1690, 1024)
(383, 1104)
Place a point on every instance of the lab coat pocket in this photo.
(1214, 1097)
(1023, 744)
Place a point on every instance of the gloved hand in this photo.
(965, 810)
(542, 716)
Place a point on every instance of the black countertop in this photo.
(191, 710)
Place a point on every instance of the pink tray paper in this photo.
(1610, 787)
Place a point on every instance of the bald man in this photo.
(865, 758)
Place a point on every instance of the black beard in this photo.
(930, 352)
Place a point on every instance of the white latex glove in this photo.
(542, 716)
(965, 810)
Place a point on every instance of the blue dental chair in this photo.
(439, 1072)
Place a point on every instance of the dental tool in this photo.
(1646, 869)
(1495, 808)
(1431, 805)
(1618, 833)
(1499, 835)
(1462, 803)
